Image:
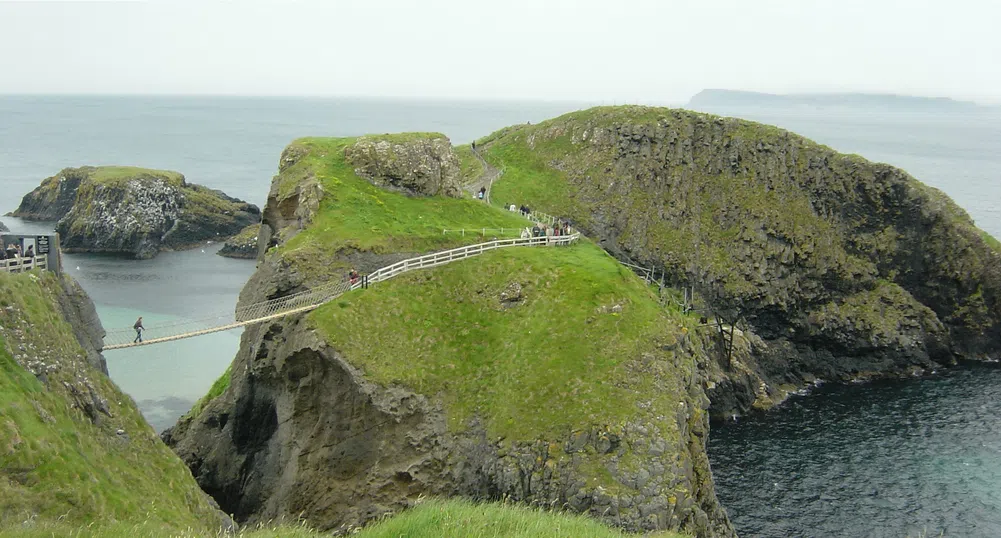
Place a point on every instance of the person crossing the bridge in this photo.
(139, 330)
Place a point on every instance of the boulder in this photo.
(420, 165)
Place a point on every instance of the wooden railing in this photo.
(19, 265)
(313, 298)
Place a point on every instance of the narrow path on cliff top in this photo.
(316, 297)
(486, 179)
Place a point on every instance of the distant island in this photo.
(723, 98)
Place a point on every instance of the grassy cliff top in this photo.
(55, 464)
(534, 341)
(744, 192)
(355, 214)
(118, 174)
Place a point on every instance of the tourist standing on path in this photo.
(139, 330)
(30, 253)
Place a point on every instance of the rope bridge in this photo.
(313, 298)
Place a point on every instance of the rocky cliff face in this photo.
(133, 211)
(844, 268)
(303, 429)
(3, 228)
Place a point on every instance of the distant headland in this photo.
(717, 98)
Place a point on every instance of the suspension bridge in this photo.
(315, 297)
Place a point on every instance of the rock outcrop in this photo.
(842, 269)
(3, 228)
(302, 429)
(133, 211)
(242, 245)
(421, 165)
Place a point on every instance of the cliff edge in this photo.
(133, 211)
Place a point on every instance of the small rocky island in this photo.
(242, 245)
(3, 228)
(133, 211)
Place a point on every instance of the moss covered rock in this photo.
(242, 245)
(133, 211)
(810, 244)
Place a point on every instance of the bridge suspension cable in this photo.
(312, 298)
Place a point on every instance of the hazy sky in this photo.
(609, 50)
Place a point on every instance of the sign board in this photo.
(41, 244)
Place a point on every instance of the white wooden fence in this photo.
(313, 298)
(19, 265)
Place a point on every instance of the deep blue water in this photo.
(882, 459)
(889, 459)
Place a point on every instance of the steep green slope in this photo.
(318, 185)
(471, 167)
(786, 232)
(73, 448)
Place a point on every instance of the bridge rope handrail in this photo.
(314, 297)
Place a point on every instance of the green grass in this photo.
(472, 168)
(117, 174)
(433, 518)
(565, 357)
(246, 235)
(991, 241)
(55, 465)
(354, 214)
(461, 519)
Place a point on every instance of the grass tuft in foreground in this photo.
(454, 518)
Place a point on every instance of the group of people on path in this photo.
(541, 230)
(13, 252)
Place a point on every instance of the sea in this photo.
(909, 458)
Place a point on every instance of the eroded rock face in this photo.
(844, 268)
(420, 165)
(133, 211)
